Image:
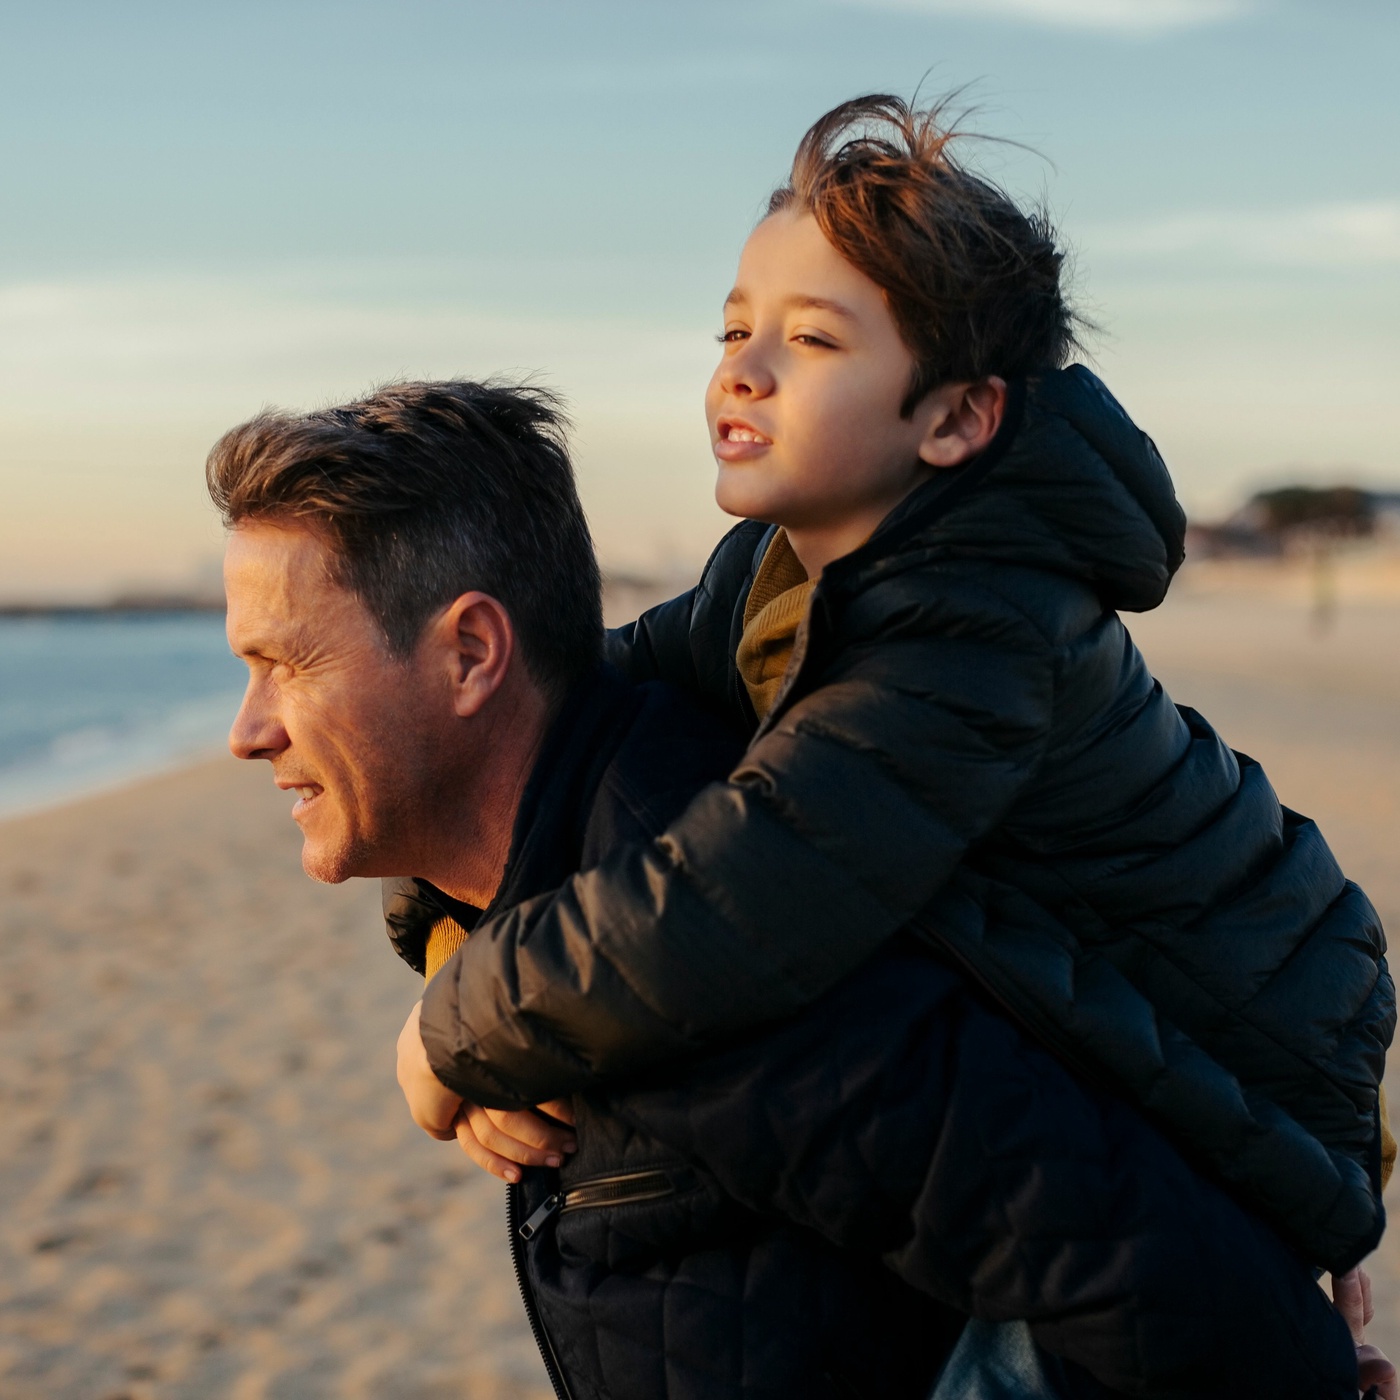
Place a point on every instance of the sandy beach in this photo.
(210, 1185)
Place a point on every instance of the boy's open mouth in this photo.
(736, 430)
(738, 440)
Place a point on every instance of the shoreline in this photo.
(91, 701)
(58, 795)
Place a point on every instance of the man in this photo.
(814, 1211)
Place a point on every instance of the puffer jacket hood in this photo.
(1069, 485)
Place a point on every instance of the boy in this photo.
(952, 730)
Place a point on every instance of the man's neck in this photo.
(469, 852)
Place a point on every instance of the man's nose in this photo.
(744, 372)
(258, 731)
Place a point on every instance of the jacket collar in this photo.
(547, 836)
(1069, 486)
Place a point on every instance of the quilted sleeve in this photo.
(841, 822)
(657, 645)
(689, 641)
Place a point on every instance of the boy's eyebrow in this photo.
(823, 304)
(737, 298)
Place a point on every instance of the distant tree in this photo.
(1331, 511)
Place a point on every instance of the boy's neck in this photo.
(815, 551)
(817, 545)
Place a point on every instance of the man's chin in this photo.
(323, 870)
(332, 865)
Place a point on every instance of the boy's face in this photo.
(804, 406)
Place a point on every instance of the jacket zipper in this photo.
(622, 1189)
(527, 1295)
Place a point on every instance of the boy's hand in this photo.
(1351, 1295)
(497, 1139)
(432, 1104)
(1374, 1368)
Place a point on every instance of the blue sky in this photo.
(208, 208)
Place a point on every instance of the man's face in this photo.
(344, 724)
(804, 406)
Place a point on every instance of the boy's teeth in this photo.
(745, 435)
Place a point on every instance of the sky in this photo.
(207, 208)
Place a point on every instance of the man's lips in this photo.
(307, 793)
(738, 441)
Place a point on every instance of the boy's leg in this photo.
(995, 1361)
(902, 1117)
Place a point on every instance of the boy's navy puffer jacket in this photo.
(969, 744)
(724, 1229)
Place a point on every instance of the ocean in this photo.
(89, 701)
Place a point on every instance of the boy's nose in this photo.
(744, 375)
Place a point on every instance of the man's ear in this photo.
(474, 637)
(962, 420)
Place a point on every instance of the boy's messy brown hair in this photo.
(972, 281)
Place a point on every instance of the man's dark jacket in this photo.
(968, 739)
(723, 1226)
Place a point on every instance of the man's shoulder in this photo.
(669, 750)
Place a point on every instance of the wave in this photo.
(80, 762)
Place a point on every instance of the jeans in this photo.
(994, 1361)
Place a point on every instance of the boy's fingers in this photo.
(506, 1145)
(487, 1160)
(562, 1109)
(528, 1127)
(1368, 1311)
(1374, 1368)
(1347, 1299)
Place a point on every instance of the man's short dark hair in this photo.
(426, 491)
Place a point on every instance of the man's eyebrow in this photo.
(257, 646)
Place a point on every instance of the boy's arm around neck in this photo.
(655, 646)
(842, 822)
(689, 641)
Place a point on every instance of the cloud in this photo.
(113, 388)
(1109, 16)
(1360, 234)
(183, 346)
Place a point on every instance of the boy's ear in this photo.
(961, 420)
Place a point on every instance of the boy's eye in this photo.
(729, 337)
(806, 338)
